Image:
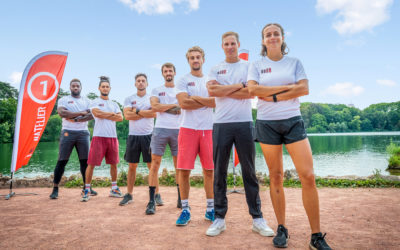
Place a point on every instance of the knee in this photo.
(276, 178)
(307, 179)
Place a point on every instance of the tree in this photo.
(92, 96)
(7, 91)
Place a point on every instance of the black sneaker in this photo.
(282, 237)
(54, 194)
(318, 242)
(92, 192)
(159, 201)
(127, 199)
(151, 208)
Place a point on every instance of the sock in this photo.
(179, 192)
(87, 187)
(114, 185)
(55, 188)
(84, 165)
(185, 205)
(258, 220)
(152, 191)
(210, 205)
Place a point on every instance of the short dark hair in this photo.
(139, 75)
(75, 80)
(168, 65)
(104, 79)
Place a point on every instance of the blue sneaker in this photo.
(184, 218)
(210, 215)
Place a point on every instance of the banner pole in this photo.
(11, 194)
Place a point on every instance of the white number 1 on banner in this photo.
(44, 87)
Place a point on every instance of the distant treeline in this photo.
(318, 117)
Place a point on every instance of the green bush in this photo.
(394, 160)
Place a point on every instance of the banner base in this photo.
(235, 191)
(12, 194)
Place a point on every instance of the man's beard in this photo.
(104, 94)
(75, 94)
(141, 89)
(169, 79)
(196, 69)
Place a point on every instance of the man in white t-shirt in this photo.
(166, 130)
(195, 134)
(233, 124)
(104, 142)
(137, 109)
(74, 111)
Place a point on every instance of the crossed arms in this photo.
(81, 116)
(117, 117)
(134, 114)
(194, 102)
(282, 93)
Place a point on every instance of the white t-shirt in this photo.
(142, 126)
(74, 105)
(166, 96)
(230, 109)
(104, 127)
(266, 72)
(201, 118)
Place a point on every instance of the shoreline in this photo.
(166, 178)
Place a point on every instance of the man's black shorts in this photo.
(277, 132)
(73, 138)
(136, 145)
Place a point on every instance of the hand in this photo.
(266, 98)
(213, 82)
(70, 120)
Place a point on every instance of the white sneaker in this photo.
(217, 227)
(260, 226)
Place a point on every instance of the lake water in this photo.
(334, 154)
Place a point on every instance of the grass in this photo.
(168, 179)
(394, 160)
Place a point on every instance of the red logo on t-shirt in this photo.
(101, 105)
(134, 102)
(191, 84)
(267, 70)
(222, 72)
(70, 102)
(161, 94)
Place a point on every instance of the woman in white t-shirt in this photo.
(278, 81)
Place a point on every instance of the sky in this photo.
(349, 48)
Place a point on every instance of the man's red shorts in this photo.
(103, 147)
(192, 142)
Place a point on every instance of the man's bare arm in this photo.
(65, 113)
(84, 118)
(130, 114)
(156, 106)
(241, 94)
(206, 101)
(216, 89)
(107, 115)
(186, 102)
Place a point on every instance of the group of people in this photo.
(205, 116)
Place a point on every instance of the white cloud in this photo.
(388, 83)
(150, 7)
(345, 89)
(156, 66)
(15, 77)
(355, 16)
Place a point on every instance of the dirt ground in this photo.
(352, 218)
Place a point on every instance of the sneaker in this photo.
(151, 208)
(127, 199)
(159, 201)
(92, 192)
(54, 194)
(217, 227)
(318, 242)
(260, 226)
(282, 237)
(85, 196)
(116, 193)
(184, 218)
(210, 215)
